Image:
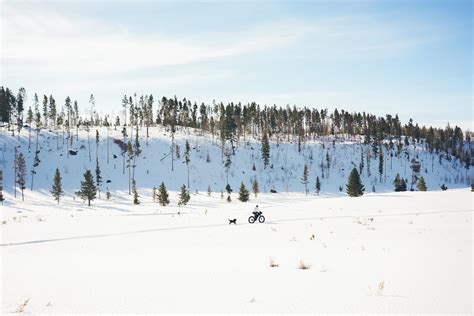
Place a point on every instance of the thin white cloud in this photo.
(49, 40)
(36, 39)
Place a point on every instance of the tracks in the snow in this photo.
(163, 229)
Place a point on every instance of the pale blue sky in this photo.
(408, 57)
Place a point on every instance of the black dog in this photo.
(232, 221)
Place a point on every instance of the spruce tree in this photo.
(57, 190)
(88, 190)
(354, 187)
(397, 183)
(265, 150)
(255, 187)
(403, 185)
(318, 185)
(163, 196)
(421, 186)
(98, 177)
(184, 196)
(304, 179)
(135, 193)
(243, 193)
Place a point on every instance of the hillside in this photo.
(206, 168)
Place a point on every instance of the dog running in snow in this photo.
(232, 221)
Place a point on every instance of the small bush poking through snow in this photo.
(21, 307)
(273, 264)
(304, 266)
(381, 286)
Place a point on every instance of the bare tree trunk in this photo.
(14, 174)
(107, 144)
(129, 176)
(89, 144)
(172, 150)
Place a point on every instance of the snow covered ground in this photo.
(407, 252)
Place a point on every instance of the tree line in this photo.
(231, 122)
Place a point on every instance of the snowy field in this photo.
(408, 252)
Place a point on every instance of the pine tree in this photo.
(354, 186)
(57, 190)
(328, 160)
(400, 184)
(187, 158)
(361, 164)
(45, 110)
(304, 179)
(368, 162)
(255, 187)
(265, 150)
(29, 120)
(318, 185)
(397, 183)
(97, 138)
(227, 164)
(403, 185)
(163, 197)
(129, 161)
(209, 191)
(228, 189)
(98, 177)
(135, 193)
(88, 190)
(1, 184)
(380, 163)
(415, 171)
(21, 172)
(243, 193)
(375, 148)
(421, 186)
(184, 196)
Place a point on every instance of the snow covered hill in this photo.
(153, 165)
